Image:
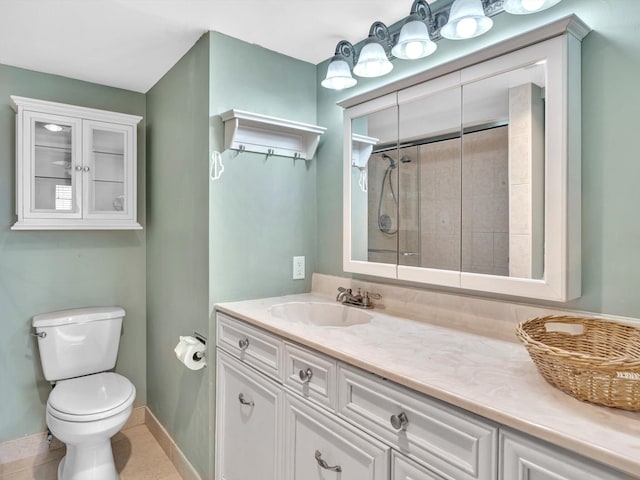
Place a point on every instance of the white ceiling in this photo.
(131, 44)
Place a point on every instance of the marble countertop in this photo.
(487, 375)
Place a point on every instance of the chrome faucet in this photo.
(360, 299)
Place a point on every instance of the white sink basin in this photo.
(320, 314)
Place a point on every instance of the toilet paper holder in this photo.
(200, 355)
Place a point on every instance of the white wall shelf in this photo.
(253, 132)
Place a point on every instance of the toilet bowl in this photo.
(89, 403)
(84, 413)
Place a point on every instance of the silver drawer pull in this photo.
(305, 375)
(400, 421)
(243, 343)
(243, 401)
(325, 465)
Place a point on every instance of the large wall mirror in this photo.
(469, 179)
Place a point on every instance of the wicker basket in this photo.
(593, 360)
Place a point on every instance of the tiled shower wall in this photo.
(434, 229)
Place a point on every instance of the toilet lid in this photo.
(91, 394)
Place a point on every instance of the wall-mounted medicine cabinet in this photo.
(474, 180)
(75, 167)
(254, 132)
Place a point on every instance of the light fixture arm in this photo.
(380, 32)
(345, 50)
(422, 9)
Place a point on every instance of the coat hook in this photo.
(269, 152)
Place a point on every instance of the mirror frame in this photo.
(562, 193)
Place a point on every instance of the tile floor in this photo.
(137, 454)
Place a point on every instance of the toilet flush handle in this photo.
(39, 334)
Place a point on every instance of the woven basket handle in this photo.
(570, 328)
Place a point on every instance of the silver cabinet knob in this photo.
(243, 343)
(78, 168)
(244, 401)
(400, 421)
(325, 465)
(305, 375)
(85, 169)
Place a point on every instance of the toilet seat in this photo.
(90, 398)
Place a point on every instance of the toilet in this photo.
(88, 404)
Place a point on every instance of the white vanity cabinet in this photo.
(248, 426)
(75, 167)
(285, 411)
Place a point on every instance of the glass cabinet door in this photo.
(53, 181)
(108, 188)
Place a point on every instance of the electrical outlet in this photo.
(298, 268)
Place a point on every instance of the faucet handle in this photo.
(366, 299)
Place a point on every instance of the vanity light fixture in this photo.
(524, 7)
(466, 20)
(373, 61)
(339, 72)
(414, 40)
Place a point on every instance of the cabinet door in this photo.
(320, 447)
(108, 171)
(524, 458)
(248, 423)
(49, 166)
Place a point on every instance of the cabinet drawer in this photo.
(310, 374)
(452, 442)
(404, 469)
(318, 445)
(251, 345)
(524, 458)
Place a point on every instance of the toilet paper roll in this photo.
(186, 351)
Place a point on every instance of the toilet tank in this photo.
(78, 342)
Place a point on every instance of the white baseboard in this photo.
(185, 469)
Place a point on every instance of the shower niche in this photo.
(473, 176)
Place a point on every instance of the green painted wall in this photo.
(610, 102)
(262, 210)
(177, 249)
(44, 271)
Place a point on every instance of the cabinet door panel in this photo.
(248, 423)
(524, 458)
(51, 148)
(317, 446)
(109, 187)
(404, 469)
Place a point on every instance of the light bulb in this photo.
(532, 5)
(466, 27)
(52, 127)
(414, 50)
